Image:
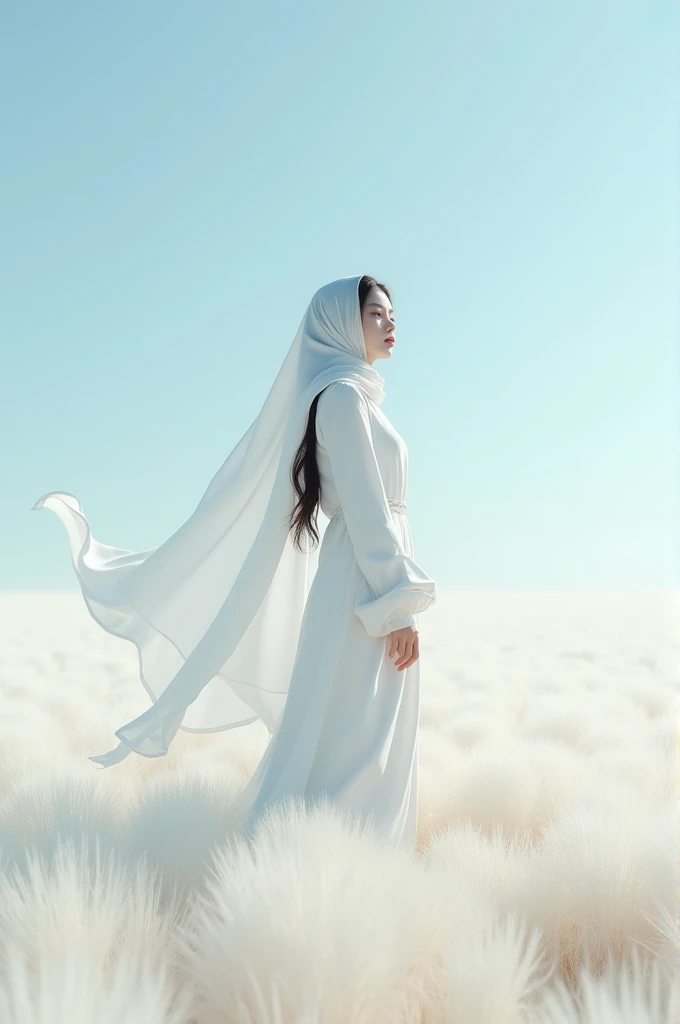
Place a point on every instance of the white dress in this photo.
(349, 727)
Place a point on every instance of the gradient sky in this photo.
(178, 180)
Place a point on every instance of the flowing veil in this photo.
(215, 611)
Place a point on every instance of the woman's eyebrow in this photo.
(379, 306)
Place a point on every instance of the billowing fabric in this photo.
(349, 728)
(216, 611)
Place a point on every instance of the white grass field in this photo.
(546, 886)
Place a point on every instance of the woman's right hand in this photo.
(405, 644)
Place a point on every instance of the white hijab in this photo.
(216, 611)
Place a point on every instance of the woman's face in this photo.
(377, 319)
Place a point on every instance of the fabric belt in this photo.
(395, 503)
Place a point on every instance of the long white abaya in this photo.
(349, 727)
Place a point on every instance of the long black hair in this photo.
(303, 518)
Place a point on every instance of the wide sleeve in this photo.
(397, 588)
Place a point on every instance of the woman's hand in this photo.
(405, 644)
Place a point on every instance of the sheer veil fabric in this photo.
(215, 611)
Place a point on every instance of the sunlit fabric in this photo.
(233, 624)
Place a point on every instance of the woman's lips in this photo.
(389, 341)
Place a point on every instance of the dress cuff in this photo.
(395, 609)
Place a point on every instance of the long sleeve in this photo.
(397, 586)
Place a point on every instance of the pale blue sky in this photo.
(178, 179)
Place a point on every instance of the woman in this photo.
(320, 644)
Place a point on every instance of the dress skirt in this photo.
(349, 728)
